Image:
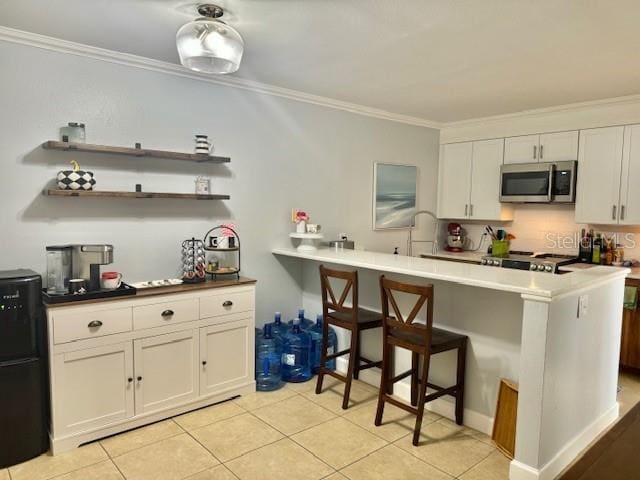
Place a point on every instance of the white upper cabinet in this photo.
(454, 180)
(469, 181)
(521, 149)
(547, 147)
(558, 147)
(599, 170)
(485, 181)
(629, 193)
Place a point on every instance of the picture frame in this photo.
(395, 196)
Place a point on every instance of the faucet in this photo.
(411, 241)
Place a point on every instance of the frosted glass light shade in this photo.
(209, 46)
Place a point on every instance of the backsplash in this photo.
(548, 228)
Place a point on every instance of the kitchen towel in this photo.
(630, 297)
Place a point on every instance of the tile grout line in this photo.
(435, 466)
(99, 441)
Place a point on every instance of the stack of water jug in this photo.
(290, 352)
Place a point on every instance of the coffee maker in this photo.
(76, 261)
(455, 238)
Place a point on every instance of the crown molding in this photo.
(63, 46)
(538, 112)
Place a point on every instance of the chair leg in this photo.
(355, 333)
(422, 392)
(356, 368)
(323, 356)
(384, 382)
(415, 371)
(461, 368)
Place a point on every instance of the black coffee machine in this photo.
(24, 397)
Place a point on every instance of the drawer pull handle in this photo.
(95, 324)
(139, 379)
(167, 313)
(227, 303)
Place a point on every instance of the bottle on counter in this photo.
(316, 333)
(585, 247)
(609, 252)
(268, 361)
(596, 249)
(296, 354)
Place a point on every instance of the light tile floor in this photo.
(289, 434)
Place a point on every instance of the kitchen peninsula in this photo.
(558, 336)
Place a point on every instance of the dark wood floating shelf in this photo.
(98, 193)
(133, 152)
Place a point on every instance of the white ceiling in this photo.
(441, 60)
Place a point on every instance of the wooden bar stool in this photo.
(423, 340)
(351, 318)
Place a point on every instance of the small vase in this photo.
(301, 227)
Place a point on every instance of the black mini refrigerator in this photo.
(24, 391)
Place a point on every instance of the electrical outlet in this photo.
(294, 213)
(583, 306)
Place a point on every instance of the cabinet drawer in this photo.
(166, 313)
(70, 326)
(224, 304)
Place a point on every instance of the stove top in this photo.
(535, 262)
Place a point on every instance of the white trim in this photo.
(566, 108)
(441, 406)
(571, 450)
(63, 46)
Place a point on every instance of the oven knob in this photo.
(483, 261)
(496, 263)
(548, 268)
(541, 268)
(533, 267)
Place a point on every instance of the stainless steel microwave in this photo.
(538, 182)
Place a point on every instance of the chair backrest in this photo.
(396, 320)
(330, 302)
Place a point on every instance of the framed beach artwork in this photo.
(395, 189)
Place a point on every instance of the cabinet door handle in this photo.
(130, 379)
(167, 313)
(227, 303)
(622, 212)
(541, 147)
(139, 379)
(94, 324)
(204, 362)
(535, 150)
(471, 210)
(613, 212)
(466, 209)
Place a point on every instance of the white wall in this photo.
(284, 154)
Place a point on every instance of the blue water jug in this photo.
(268, 367)
(316, 345)
(305, 323)
(278, 329)
(296, 354)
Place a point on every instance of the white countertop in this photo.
(524, 282)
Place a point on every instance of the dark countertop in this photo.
(153, 291)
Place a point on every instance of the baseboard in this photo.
(562, 459)
(441, 406)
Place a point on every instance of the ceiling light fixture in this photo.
(209, 45)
